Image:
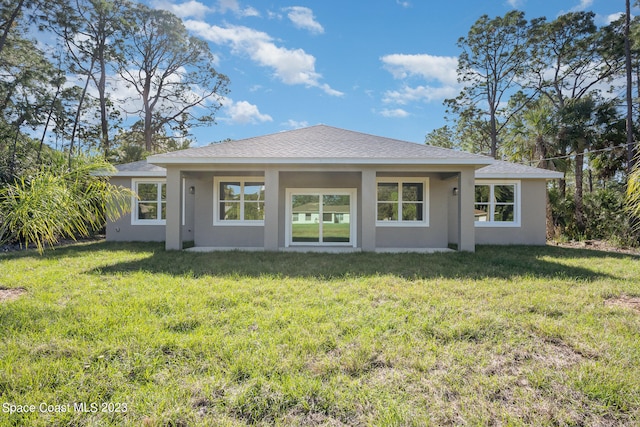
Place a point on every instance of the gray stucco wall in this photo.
(443, 213)
(433, 236)
(532, 230)
(122, 230)
(533, 219)
(224, 236)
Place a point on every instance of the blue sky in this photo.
(381, 66)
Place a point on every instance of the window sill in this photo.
(405, 224)
(238, 223)
(149, 222)
(494, 224)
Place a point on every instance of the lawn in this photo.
(128, 334)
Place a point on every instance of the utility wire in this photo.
(531, 162)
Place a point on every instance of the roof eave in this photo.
(547, 176)
(165, 161)
(140, 173)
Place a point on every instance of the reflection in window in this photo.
(241, 200)
(495, 203)
(151, 204)
(401, 201)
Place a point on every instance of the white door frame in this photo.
(353, 201)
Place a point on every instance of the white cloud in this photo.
(429, 67)
(273, 15)
(608, 19)
(291, 66)
(515, 3)
(225, 6)
(583, 5)
(408, 94)
(295, 124)
(188, 9)
(404, 4)
(195, 9)
(243, 112)
(395, 113)
(302, 17)
(439, 71)
(330, 91)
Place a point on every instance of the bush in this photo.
(57, 203)
(606, 217)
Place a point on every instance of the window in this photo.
(402, 201)
(239, 200)
(497, 204)
(151, 204)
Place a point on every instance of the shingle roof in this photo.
(320, 144)
(326, 144)
(500, 169)
(141, 168)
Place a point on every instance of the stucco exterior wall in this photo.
(435, 235)
(532, 230)
(224, 236)
(122, 230)
(443, 208)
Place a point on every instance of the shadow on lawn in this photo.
(488, 261)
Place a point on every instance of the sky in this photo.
(381, 67)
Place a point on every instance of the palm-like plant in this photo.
(633, 193)
(54, 204)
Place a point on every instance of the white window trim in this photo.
(134, 201)
(516, 206)
(216, 200)
(425, 197)
(353, 229)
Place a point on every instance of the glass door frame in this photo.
(320, 192)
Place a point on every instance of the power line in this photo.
(626, 145)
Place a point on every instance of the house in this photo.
(324, 188)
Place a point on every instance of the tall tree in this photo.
(441, 137)
(99, 29)
(532, 139)
(172, 72)
(492, 57)
(568, 62)
(532, 135)
(629, 88)
(25, 90)
(93, 32)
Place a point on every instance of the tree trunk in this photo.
(9, 24)
(148, 131)
(14, 149)
(494, 135)
(551, 231)
(579, 209)
(627, 50)
(46, 125)
(148, 116)
(103, 107)
(78, 111)
(102, 89)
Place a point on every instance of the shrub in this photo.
(605, 215)
(57, 203)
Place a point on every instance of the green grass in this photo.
(330, 232)
(505, 336)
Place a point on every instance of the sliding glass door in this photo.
(321, 217)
